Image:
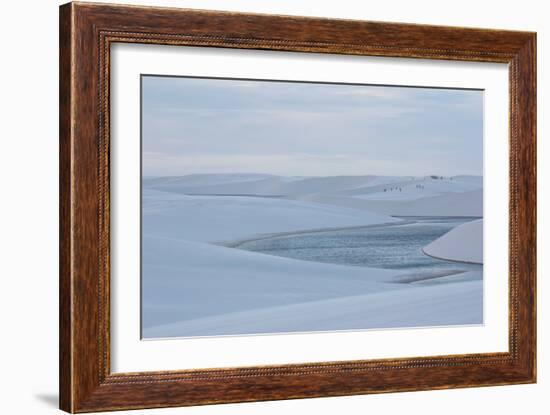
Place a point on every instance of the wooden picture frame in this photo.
(86, 33)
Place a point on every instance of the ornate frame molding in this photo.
(86, 33)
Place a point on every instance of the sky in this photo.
(198, 125)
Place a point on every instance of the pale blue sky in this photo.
(194, 125)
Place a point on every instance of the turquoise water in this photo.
(388, 246)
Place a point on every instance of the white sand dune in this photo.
(477, 180)
(416, 188)
(387, 195)
(214, 219)
(463, 243)
(428, 306)
(254, 293)
(199, 180)
(263, 185)
(192, 287)
(448, 204)
(269, 185)
(454, 278)
(180, 277)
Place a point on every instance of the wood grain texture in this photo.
(86, 33)
(65, 246)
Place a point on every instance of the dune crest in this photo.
(462, 244)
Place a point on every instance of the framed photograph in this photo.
(258, 207)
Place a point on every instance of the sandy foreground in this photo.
(193, 286)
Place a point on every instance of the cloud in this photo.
(202, 125)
